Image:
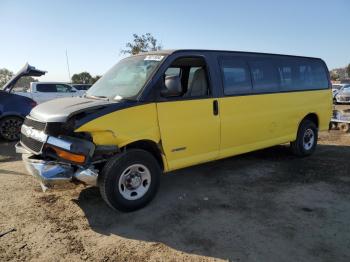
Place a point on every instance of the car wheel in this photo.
(344, 127)
(130, 180)
(306, 141)
(10, 128)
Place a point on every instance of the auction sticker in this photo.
(154, 58)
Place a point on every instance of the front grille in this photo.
(32, 144)
(35, 124)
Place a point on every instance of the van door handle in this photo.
(215, 107)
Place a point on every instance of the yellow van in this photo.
(157, 112)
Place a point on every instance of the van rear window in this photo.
(272, 74)
(302, 74)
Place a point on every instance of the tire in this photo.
(129, 180)
(333, 125)
(10, 128)
(344, 127)
(306, 141)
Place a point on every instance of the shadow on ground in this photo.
(8, 152)
(259, 206)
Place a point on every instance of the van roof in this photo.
(171, 51)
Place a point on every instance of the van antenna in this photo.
(68, 66)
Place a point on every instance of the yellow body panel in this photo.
(257, 121)
(125, 126)
(188, 132)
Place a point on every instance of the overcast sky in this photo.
(94, 32)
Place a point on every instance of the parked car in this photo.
(161, 111)
(341, 120)
(41, 91)
(81, 87)
(13, 110)
(336, 88)
(343, 95)
(45, 91)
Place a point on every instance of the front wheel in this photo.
(10, 128)
(306, 141)
(130, 180)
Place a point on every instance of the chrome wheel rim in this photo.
(308, 139)
(134, 182)
(11, 128)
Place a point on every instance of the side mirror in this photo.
(172, 87)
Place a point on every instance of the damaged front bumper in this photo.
(50, 173)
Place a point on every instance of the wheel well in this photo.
(149, 146)
(7, 116)
(312, 117)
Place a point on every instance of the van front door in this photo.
(189, 124)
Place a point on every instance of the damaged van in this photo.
(161, 111)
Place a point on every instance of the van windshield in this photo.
(126, 78)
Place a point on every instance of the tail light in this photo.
(33, 104)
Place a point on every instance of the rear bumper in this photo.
(50, 173)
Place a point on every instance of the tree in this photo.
(5, 76)
(24, 82)
(82, 78)
(95, 78)
(348, 70)
(142, 43)
(334, 75)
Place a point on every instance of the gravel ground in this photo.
(262, 206)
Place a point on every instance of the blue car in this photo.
(14, 108)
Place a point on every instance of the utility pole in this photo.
(68, 66)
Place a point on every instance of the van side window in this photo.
(265, 76)
(301, 74)
(236, 77)
(193, 74)
(173, 71)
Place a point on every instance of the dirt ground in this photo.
(262, 206)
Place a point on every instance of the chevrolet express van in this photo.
(161, 111)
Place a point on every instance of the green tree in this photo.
(348, 70)
(5, 76)
(95, 78)
(24, 82)
(82, 78)
(141, 43)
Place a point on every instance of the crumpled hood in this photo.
(59, 110)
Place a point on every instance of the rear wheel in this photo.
(130, 180)
(10, 128)
(344, 127)
(306, 141)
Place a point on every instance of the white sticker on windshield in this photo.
(154, 58)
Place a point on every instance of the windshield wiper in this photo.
(97, 97)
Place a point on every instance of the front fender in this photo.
(124, 126)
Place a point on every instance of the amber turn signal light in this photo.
(69, 156)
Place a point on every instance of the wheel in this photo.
(333, 125)
(130, 180)
(345, 127)
(306, 141)
(10, 128)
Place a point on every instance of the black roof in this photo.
(172, 51)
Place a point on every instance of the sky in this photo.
(94, 32)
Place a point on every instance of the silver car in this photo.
(343, 96)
